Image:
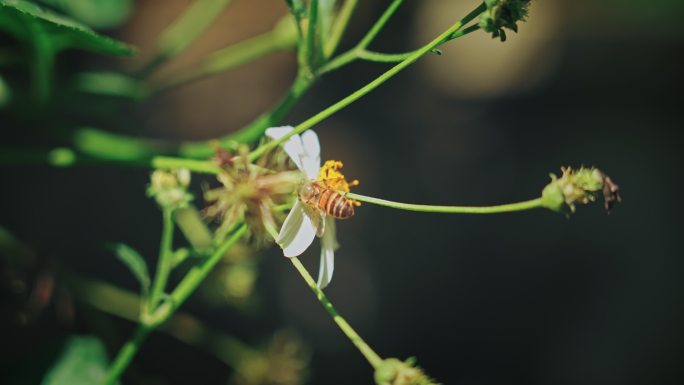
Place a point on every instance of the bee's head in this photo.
(308, 192)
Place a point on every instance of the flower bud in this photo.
(580, 186)
(169, 188)
(502, 14)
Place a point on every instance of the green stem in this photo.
(364, 54)
(505, 208)
(180, 294)
(198, 273)
(368, 87)
(310, 47)
(340, 26)
(377, 27)
(126, 354)
(161, 276)
(371, 356)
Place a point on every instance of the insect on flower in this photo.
(319, 201)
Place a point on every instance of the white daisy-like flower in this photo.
(299, 229)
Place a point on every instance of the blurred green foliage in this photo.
(82, 362)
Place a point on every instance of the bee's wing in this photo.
(317, 218)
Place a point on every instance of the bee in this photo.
(320, 200)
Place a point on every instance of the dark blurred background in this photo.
(526, 298)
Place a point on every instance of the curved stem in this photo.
(371, 356)
(505, 208)
(368, 87)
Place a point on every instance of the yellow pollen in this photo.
(332, 177)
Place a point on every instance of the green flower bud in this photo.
(580, 186)
(502, 14)
(169, 188)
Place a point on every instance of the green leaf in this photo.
(98, 14)
(5, 93)
(135, 263)
(82, 362)
(27, 21)
(110, 84)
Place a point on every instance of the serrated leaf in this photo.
(24, 20)
(83, 362)
(135, 263)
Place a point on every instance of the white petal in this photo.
(293, 146)
(311, 162)
(328, 247)
(297, 232)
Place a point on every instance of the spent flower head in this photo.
(304, 223)
(169, 188)
(579, 186)
(502, 14)
(251, 193)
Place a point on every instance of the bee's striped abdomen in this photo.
(333, 203)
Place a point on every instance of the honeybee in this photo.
(320, 200)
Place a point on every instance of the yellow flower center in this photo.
(332, 177)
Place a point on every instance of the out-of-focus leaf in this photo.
(135, 263)
(110, 84)
(82, 362)
(98, 14)
(179, 256)
(326, 16)
(188, 27)
(105, 145)
(5, 93)
(27, 21)
(191, 224)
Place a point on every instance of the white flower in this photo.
(299, 231)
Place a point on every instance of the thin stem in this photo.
(368, 87)
(371, 356)
(310, 46)
(185, 288)
(364, 54)
(340, 26)
(126, 354)
(377, 27)
(198, 273)
(161, 276)
(505, 208)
